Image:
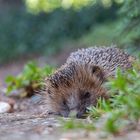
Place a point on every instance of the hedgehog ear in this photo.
(98, 72)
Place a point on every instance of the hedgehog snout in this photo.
(80, 113)
(64, 113)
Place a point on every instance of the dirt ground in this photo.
(25, 125)
(28, 122)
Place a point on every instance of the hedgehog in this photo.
(78, 84)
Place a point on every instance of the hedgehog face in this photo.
(78, 101)
(76, 92)
(72, 103)
(59, 104)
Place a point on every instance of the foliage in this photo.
(42, 34)
(76, 124)
(29, 80)
(101, 108)
(100, 35)
(129, 27)
(124, 31)
(47, 5)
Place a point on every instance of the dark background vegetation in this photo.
(26, 30)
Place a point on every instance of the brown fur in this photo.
(75, 80)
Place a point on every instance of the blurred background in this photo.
(48, 30)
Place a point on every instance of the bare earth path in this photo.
(21, 126)
(25, 126)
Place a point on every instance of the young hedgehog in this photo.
(78, 83)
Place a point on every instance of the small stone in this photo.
(4, 107)
(64, 139)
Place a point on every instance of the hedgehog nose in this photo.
(65, 113)
(79, 115)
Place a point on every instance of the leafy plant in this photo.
(123, 106)
(127, 87)
(101, 108)
(29, 79)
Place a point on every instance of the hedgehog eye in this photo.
(64, 102)
(94, 69)
(87, 95)
(84, 95)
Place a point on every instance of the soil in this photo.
(25, 125)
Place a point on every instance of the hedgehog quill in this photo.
(78, 83)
